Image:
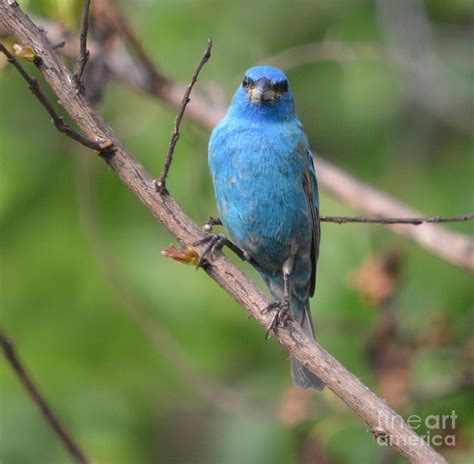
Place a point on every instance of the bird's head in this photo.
(264, 84)
(264, 91)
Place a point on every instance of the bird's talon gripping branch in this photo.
(281, 315)
(215, 243)
(270, 307)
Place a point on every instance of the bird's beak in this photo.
(262, 92)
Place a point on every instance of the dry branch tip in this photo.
(160, 183)
(83, 51)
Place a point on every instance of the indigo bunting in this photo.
(267, 196)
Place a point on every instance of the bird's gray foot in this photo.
(215, 242)
(280, 316)
(281, 307)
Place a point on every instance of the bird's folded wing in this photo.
(310, 186)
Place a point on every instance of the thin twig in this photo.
(393, 220)
(83, 52)
(161, 182)
(57, 120)
(69, 443)
(379, 417)
(371, 220)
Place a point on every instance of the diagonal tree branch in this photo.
(69, 443)
(381, 419)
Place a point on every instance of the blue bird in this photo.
(267, 196)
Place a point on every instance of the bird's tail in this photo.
(300, 375)
(299, 308)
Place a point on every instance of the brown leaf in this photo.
(182, 255)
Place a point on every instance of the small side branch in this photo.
(161, 182)
(71, 446)
(57, 120)
(416, 221)
(393, 220)
(83, 52)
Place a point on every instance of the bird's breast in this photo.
(257, 176)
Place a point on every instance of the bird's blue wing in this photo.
(310, 185)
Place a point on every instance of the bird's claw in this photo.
(214, 242)
(280, 316)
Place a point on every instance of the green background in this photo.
(81, 257)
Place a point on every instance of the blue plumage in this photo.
(267, 194)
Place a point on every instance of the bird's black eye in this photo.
(247, 82)
(282, 86)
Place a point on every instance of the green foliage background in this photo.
(121, 398)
